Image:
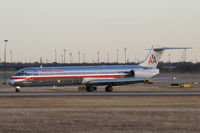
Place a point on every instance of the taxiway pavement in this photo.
(127, 93)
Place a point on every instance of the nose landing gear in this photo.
(17, 89)
(91, 88)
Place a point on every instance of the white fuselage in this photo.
(76, 75)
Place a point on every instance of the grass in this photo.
(100, 114)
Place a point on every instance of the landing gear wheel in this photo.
(17, 89)
(108, 89)
(89, 89)
(94, 88)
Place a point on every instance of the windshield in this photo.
(24, 72)
(20, 73)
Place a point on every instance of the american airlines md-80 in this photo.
(90, 76)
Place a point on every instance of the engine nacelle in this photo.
(132, 73)
(147, 73)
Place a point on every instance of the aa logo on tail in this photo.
(152, 59)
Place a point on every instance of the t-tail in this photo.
(155, 54)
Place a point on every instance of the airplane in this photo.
(91, 76)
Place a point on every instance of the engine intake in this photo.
(132, 73)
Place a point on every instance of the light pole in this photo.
(55, 55)
(108, 55)
(79, 57)
(70, 54)
(98, 57)
(125, 54)
(62, 58)
(64, 54)
(117, 56)
(11, 53)
(5, 41)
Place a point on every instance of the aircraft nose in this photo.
(11, 82)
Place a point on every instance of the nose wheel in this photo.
(17, 89)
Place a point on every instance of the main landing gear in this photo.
(109, 88)
(90, 88)
(94, 88)
(17, 89)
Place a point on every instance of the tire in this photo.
(94, 88)
(17, 90)
(89, 89)
(108, 89)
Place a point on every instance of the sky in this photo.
(35, 28)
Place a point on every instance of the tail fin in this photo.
(155, 54)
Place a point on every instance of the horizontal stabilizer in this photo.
(169, 48)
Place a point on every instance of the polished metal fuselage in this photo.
(75, 75)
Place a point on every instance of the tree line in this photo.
(180, 67)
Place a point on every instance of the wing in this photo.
(121, 81)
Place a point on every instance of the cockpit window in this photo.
(20, 73)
